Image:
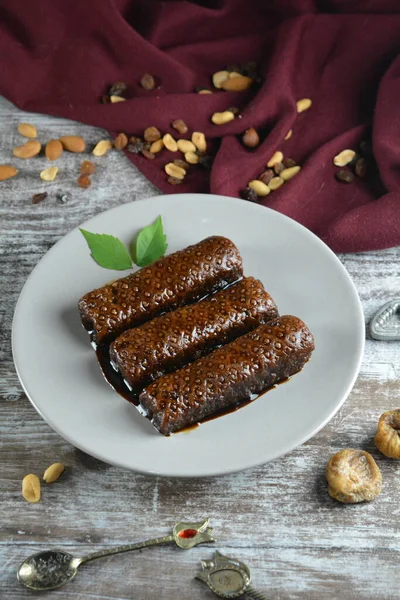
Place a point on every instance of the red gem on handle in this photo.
(188, 533)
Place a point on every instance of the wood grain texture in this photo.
(278, 518)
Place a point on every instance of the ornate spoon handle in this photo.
(127, 548)
(252, 593)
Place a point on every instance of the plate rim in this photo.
(188, 197)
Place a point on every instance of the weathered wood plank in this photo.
(298, 542)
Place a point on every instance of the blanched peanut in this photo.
(31, 488)
(220, 118)
(260, 188)
(53, 472)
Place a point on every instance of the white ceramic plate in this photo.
(60, 374)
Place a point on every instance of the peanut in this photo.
(7, 171)
(250, 138)
(28, 150)
(277, 157)
(239, 83)
(344, 158)
(289, 134)
(102, 147)
(31, 488)
(219, 77)
(186, 146)
(275, 183)
(49, 174)
(53, 472)
(287, 174)
(260, 188)
(73, 143)
(151, 134)
(53, 150)
(121, 141)
(303, 104)
(220, 118)
(27, 130)
(199, 140)
(192, 158)
(170, 143)
(157, 146)
(114, 99)
(174, 171)
(180, 126)
(204, 91)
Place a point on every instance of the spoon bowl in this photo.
(48, 570)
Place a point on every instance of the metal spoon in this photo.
(52, 568)
(228, 577)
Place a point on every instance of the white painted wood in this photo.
(278, 518)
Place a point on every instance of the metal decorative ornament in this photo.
(386, 323)
(228, 577)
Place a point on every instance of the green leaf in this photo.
(108, 251)
(150, 245)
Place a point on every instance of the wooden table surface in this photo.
(278, 518)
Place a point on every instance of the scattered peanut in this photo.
(181, 163)
(53, 472)
(53, 150)
(7, 171)
(387, 439)
(360, 167)
(220, 118)
(199, 140)
(287, 174)
(174, 180)
(87, 167)
(277, 157)
(204, 91)
(278, 168)
(49, 174)
(219, 77)
(288, 162)
(115, 99)
(289, 134)
(192, 158)
(266, 176)
(250, 138)
(170, 143)
(28, 150)
(275, 183)
(344, 176)
(234, 73)
(303, 104)
(121, 141)
(102, 147)
(27, 130)
(31, 488)
(84, 180)
(180, 126)
(344, 158)
(260, 188)
(152, 134)
(186, 146)
(175, 171)
(73, 143)
(157, 146)
(353, 476)
(38, 198)
(148, 82)
(147, 154)
(239, 83)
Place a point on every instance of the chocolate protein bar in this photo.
(229, 375)
(182, 336)
(169, 283)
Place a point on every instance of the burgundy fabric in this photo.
(60, 57)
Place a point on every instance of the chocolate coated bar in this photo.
(169, 283)
(172, 340)
(229, 375)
